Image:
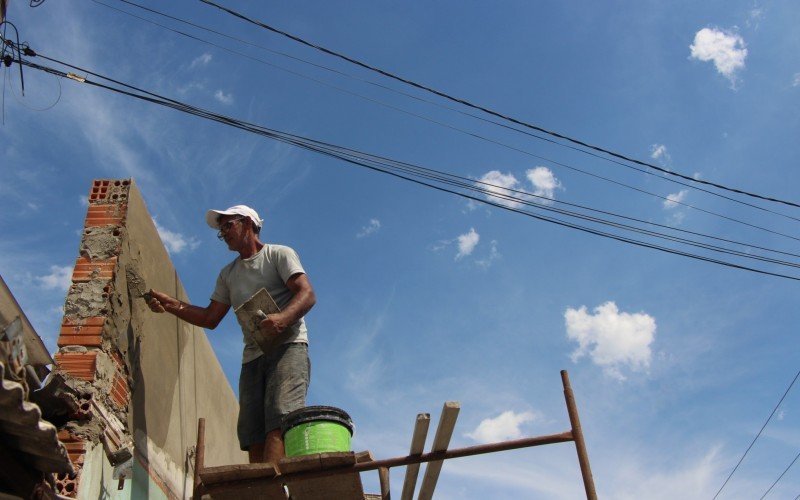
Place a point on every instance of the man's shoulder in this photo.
(228, 267)
(273, 249)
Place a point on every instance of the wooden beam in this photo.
(417, 447)
(441, 440)
(383, 476)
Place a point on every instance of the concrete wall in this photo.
(177, 378)
(155, 373)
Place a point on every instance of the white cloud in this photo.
(467, 243)
(726, 49)
(499, 184)
(501, 428)
(754, 17)
(201, 60)
(176, 242)
(659, 152)
(60, 278)
(493, 256)
(674, 199)
(223, 97)
(83, 200)
(373, 226)
(544, 183)
(612, 339)
(796, 80)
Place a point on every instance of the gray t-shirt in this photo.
(270, 268)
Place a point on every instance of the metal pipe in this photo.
(577, 432)
(400, 461)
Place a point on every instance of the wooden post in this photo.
(199, 456)
(441, 440)
(383, 475)
(417, 447)
(577, 434)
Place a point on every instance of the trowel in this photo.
(136, 286)
(252, 312)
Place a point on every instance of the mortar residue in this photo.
(101, 242)
(85, 300)
(91, 430)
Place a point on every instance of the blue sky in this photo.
(424, 297)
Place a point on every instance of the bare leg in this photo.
(273, 447)
(256, 453)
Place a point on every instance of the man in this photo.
(272, 384)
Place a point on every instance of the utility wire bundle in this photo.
(584, 218)
(517, 201)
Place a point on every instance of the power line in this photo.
(780, 477)
(357, 158)
(757, 436)
(487, 110)
(411, 96)
(457, 129)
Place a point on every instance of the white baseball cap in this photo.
(212, 216)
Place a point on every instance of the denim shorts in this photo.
(271, 386)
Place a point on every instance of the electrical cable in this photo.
(395, 108)
(451, 127)
(440, 105)
(741, 254)
(20, 100)
(780, 477)
(757, 436)
(327, 149)
(487, 110)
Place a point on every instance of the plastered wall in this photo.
(145, 378)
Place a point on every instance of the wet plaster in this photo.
(173, 374)
(101, 242)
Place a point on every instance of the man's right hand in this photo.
(160, 302)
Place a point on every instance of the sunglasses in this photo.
(224, 228)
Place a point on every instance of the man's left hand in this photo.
(274, 324)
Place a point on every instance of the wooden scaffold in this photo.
(337, 475)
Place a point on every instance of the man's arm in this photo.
(204, 317)
(303, 299)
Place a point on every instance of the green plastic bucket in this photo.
(316, 429)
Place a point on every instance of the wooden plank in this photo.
(251, 491)
(364, 456)
(341, 486)
(383, 476)
(441, 440)
(417, 447)
(317, 461)
(303, 463)
(224, 473)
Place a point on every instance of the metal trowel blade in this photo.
(136, 286)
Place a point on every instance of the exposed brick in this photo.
(109, 191)
(76, 446)
(81, 365)
(105, 215)
(76, 449)
(86, 269)
(119, 391)
(84, 408)
(65, 486)
(86, 332)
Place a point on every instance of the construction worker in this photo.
(272, 384)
